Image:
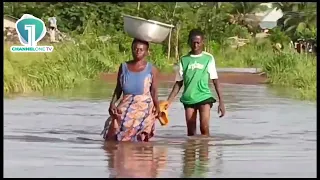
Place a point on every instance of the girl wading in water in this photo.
(195, 70)
(133, 119)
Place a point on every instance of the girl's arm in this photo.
(175, 90)
(218, 90)
(214, 76)
(221, 107)
(177, 86)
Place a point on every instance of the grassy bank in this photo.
(71, 64)
(295, 71)
(68, 65)
(287, 69)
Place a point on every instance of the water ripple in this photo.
(262, 135)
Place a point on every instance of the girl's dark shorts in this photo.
(209, 101)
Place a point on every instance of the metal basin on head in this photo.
(146, 30)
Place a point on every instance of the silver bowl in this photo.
(146, 30)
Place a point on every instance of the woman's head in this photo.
(195, 40)
(139, 49)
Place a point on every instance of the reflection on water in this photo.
(195, 158)
(262, 135)
(147, 160)
(135, 160)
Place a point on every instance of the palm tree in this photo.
(242, 13)
(242, 9)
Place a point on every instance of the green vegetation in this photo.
(294, 71)
(72, 63)
(68, 66)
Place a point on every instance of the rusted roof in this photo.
(10, 17)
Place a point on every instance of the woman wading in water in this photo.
(133, 119)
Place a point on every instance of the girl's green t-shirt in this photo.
(195, 71)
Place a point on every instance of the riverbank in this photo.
(72, 64)
(224, 77)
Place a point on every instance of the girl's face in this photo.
(196, 43)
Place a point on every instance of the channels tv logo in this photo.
(30, 31)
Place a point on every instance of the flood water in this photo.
(262, 135)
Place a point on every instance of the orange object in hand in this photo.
(163, 116)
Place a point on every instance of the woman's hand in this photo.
(156, 110)
(113, 110)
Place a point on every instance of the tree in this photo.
(299, 19)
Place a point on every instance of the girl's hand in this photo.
(221, 109)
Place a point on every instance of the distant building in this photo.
(269, 17)
(270, 20)
(9, 22)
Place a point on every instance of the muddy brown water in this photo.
(262, 135)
